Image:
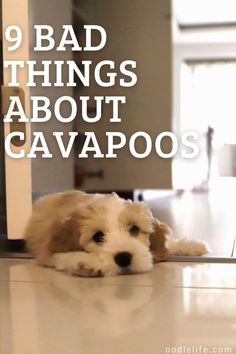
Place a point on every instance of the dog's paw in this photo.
(87, 270)
(78, 263)
(186, 247)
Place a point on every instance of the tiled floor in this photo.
(176, 305)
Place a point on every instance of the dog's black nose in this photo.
(123, 259)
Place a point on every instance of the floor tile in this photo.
(130, 315)
(208, 275)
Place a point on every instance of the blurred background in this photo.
(186, 66)
(186, 75)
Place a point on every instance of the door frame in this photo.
(18, 181)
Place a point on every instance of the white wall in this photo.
(225, 161)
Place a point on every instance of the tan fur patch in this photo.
(158, 241)
(51, 226)
(91, 220)
(65, 236)
(137, 214)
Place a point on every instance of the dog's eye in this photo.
(134, 230)
(98, 237)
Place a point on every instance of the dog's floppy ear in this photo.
(65, 235)
(158, 240)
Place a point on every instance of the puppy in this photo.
(100, 235)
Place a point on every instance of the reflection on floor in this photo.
(209, 216)
(176, 305)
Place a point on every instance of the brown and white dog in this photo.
(100, 235)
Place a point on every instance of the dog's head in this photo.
(123, 234)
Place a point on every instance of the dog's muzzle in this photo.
(123, 259)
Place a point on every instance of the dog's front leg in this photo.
(78, 263)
